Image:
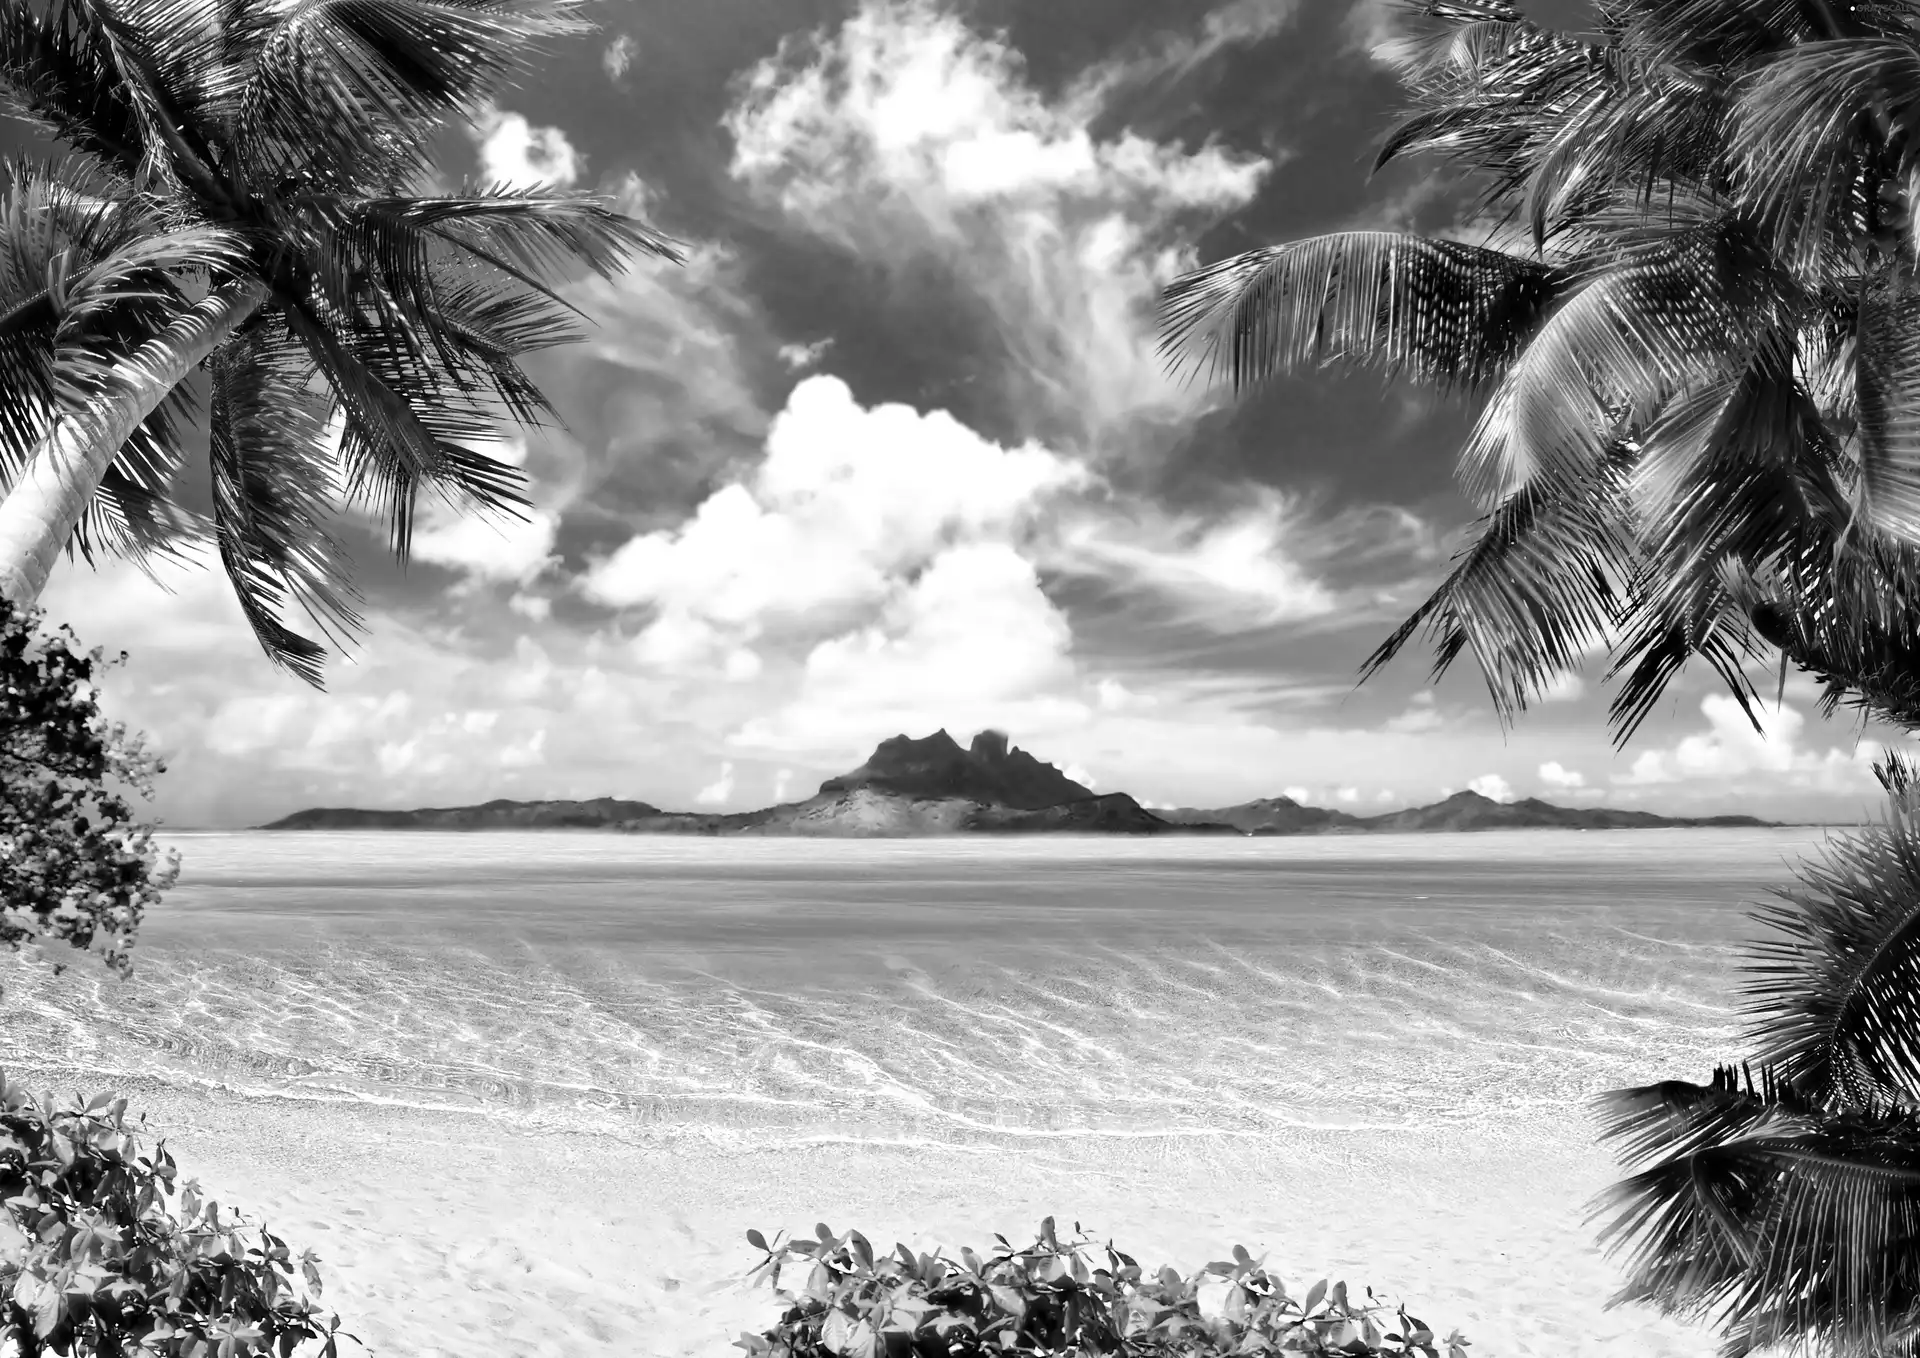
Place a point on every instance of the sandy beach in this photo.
(449, 1236)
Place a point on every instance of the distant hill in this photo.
(1460, 812)
(933, 786)
(599, 814)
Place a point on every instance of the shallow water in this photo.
(965, 993)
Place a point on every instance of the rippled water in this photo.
(949, 991)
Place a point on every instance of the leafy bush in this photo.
(1046, 1300)
(106, 1264)
(74, 867)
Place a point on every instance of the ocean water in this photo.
(942, 993)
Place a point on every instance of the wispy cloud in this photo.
(905, 137)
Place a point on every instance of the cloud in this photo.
(973, 642)
(516, 153)
(904, 136)
(1379, 29)
(848, 506)
(1230, 572)
(1564, 688)
(1730, 749)
(782, 780)
(1493, 786)
(719, 790)
(618, 58)
(1554, 774)
(1421, 715)
(658, 398)
(491, 548)
(802, 356)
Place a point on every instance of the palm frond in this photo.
(1657, 316)
(1805, 132)
(1449, 313)
(1737, 1218)
(1887, 383)
(272, 503)
(1732, 475)
(349, 93)
(1835, 995)
(1541, 587)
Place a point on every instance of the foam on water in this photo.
(956, 993)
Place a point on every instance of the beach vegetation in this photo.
(1059, 1297)
(76, 867)
(249, 193)
(110, 1255)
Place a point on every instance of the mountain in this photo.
(933, 786)
(989, 772)
(1462, 811)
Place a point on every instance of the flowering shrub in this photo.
(74, 867)
(104, 1264)
(1046, 1300)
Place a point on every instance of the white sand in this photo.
(445, 1236)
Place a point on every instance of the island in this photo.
(936, 786)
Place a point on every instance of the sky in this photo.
(892, 451)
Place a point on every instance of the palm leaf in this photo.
(347, 93)
(1739, 1216)
(1540, 587)
(272, 503)
(1887, 356)
(1451, 313)
(1805, 130)
(1657, 314)
(1835, 999)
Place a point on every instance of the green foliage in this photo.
(1047, 1299)
(75, 868)
(114, 1259)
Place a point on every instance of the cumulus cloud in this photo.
(618, 58)
(515, 152)
(904, 135)
(1730, 748)
(1556, 775)
(1492, 786)
(848, 506)
(973, 642)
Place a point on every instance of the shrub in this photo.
(1046, 1300)
(108, 1264)
(74, 867)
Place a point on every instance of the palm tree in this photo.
(1687, 343)
(1690, 324)
(248, 194)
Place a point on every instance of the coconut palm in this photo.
(1689, 346)
(1689, 323)
(250, 193)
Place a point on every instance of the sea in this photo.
(961, 991)
(959, 996)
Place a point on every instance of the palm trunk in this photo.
(42, 507)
